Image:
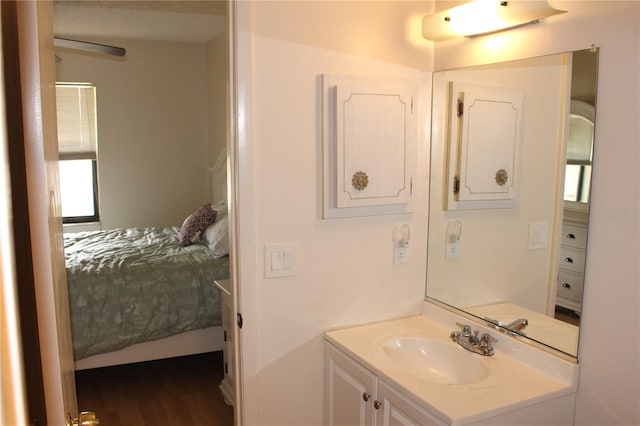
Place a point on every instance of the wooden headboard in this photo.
(219, 178)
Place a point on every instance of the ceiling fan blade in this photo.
(88, 46)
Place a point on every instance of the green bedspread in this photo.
(129, 286)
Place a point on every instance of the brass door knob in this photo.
(86, 418)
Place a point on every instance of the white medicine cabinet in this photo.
(369, 141)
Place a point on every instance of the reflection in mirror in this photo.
(577, 179)
(510, 141)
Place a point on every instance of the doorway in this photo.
(154, 24)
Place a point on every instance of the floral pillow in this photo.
(193, 225)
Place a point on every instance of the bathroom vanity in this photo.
(408, 371)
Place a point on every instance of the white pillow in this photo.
(220, 208)
(217, 237)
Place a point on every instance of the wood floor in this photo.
(179, 391)
(567, 315)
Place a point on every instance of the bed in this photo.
(140, 294)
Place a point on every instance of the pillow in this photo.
(193, 225)
(217, 237)
(220, 208)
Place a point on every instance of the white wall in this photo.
(495, 264)
(152, 130)
(609, 387)
(346, 275)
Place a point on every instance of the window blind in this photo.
(77, 133)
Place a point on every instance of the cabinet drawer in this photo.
(574, 236)
(572, 259)
(570, 286)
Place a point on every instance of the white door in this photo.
(350, 391)
(37, 77)
(396, 410)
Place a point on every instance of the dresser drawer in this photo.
(570, 286)
(572, 259)
(574, 236)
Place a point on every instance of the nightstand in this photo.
(227, 386)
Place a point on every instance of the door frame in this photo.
(13, 396)
(35, 30)
(242, 236)
(37, 80)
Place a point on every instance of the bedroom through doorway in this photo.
(162, 127)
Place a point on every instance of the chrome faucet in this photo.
(514, 327)
(472, 342)
(517, 325)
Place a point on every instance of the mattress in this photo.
(130, 286)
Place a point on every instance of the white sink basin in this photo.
(435, 361)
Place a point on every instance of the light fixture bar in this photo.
(481, 17)
(89, 46)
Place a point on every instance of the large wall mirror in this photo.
(512, 152)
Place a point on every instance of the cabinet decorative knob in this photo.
(571, 236)
(365, 397)
(568, 260)
(502, 177)
(360, 180)
(567, 285)
(377, 404)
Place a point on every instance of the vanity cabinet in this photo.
(227, 386)
(354, 395)
(572, 262)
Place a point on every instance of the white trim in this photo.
(242, 234)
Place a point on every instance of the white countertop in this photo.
(511, 383)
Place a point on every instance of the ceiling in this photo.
(177, 20)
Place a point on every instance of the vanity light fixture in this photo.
(481, 17)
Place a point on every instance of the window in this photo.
(77, 148)
(577, 183)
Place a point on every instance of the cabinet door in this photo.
(370, 128)
(396, 410)
(374, 131)
(484, 146)
(349, 391)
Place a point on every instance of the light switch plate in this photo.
(280, 260)
(538, 235)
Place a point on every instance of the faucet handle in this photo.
(485, 343)
(466, 329)
(488, 339)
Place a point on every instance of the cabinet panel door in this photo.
(374, 131)
(349, 391)
(396, 410)
(484, 146)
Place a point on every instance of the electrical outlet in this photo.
(452, 250)
(400, 255)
